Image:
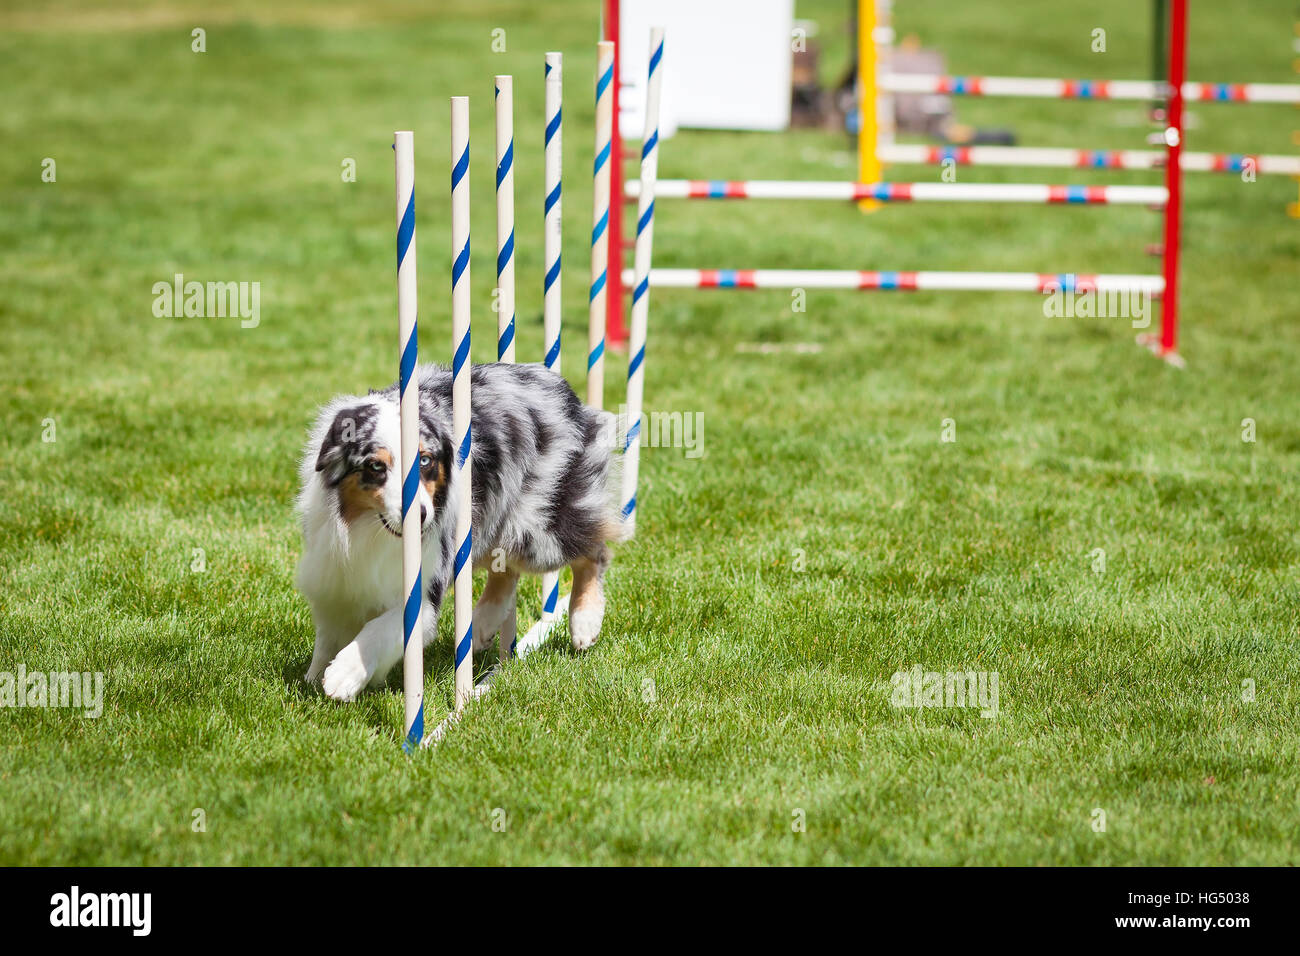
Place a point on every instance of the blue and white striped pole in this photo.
(505, 299)
(463, 637)
(600, 223)
(412, 618)
(645, 222)
(552, 210)
(552, 242)
(505, 141)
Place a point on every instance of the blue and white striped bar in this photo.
(600, 224)
(460, 400)
(505, 298)
(641, 278)
(407, 326)
(552, 242)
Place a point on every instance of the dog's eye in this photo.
(426, 461)
(375, 466)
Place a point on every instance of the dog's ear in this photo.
(343, 431)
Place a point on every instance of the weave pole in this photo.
(408, 348)
(600, 225)
(645, 227)
(505, 302)
(460, 400)
(552, 244)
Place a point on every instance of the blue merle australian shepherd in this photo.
(542, 499)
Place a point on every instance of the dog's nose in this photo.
(424, 515)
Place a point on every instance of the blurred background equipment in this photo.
(731, 64)
(904, 89)
(1293, 209)
(922, 113)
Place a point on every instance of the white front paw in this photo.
(584, 626)
(346, 675)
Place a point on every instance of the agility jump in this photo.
(876, 145)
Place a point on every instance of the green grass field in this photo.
(826, 539)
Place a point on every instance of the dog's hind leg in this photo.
(587, 604)
(495, 605)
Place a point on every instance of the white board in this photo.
(726, 64)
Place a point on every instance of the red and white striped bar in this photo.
(1042, 88)
(1086, 158)
(903, 281)
(905, 192)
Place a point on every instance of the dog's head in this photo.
(359, 464)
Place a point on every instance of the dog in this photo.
(542, 492)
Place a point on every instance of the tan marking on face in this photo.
(436, 479)
(358, 499)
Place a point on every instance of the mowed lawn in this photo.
(737, 709)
